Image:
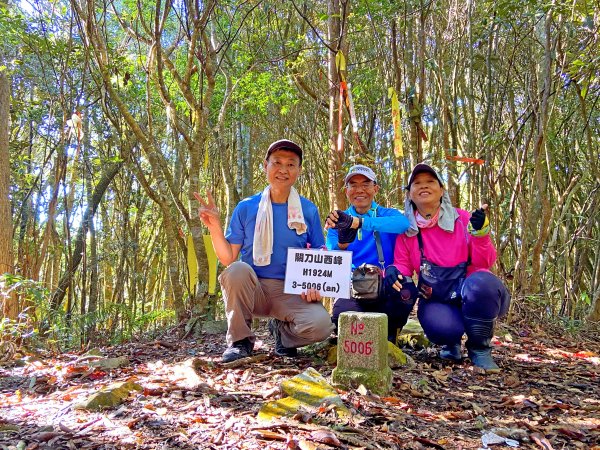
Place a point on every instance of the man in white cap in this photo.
(355, 229)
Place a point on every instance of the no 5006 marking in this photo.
(362, 348)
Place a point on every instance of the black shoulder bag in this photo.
(367, 279)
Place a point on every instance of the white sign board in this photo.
(324, 270)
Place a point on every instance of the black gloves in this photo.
(391, 276)
(344, 220)
(478, 219)
(343, 224)
(346, 235)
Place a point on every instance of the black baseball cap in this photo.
(284, 144)
(421, 168)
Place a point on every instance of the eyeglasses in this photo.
(360, 186)
(281, 165)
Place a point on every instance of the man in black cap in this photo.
(261, 230)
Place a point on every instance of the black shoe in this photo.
(238, 350)
(280, 350)
(451, 352)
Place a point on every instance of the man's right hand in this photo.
(208, 212)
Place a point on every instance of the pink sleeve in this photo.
(402, 256)
(483, 253)
(481, 249)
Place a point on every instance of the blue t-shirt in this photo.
(241, 231)
(388, 221)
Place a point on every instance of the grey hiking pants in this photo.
(247, 296)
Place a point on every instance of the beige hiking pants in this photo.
(247, 296)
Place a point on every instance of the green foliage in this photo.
(39, 325)
(276, 67)
(34, 297)
(18, 330)
(12, 29)
(257, 91)
(570, 325)
(157, 317)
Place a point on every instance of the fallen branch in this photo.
(168, 345)
(244, 361)
(271, 374)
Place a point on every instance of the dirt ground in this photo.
(546, 397)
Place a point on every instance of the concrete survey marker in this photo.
(362, 353)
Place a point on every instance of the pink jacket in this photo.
(445, 249)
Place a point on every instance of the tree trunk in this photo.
(594, 315)
(10, 305)
(400, 162)
(92, 261)
(59, 293)
(540, 160)
(337, 200)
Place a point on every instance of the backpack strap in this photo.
(378, 244)
(379, 249)
(420, 239)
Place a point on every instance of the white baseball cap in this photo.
(359, 169)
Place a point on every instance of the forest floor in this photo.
(546, 397)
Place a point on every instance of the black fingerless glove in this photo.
(344, 221)
(477, 219)
(347, 235)
(391, 276)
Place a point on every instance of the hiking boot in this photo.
(451, 353)
(280, 349)
(238, 350)
(480, 333)
(482, 358)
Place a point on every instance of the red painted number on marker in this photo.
(362, 348)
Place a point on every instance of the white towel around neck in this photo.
(262, 246)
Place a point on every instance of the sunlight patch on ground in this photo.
(526, 357)
(590, 357)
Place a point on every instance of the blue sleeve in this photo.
(332, 239)
(388, 220)
(235, 231)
